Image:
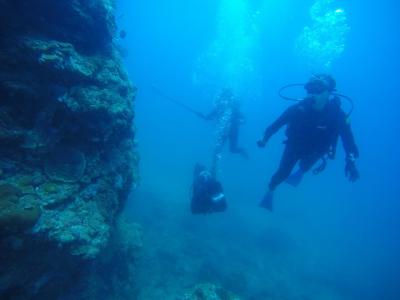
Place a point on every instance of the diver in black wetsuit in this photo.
(207, 194)
(313, 128)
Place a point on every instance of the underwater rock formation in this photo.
(17, 212)
(67, 151)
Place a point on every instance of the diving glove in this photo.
(350, 170)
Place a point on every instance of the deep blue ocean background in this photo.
(326, 239)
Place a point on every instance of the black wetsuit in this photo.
(208, 195)
(310, 135)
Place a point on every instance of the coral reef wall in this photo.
(67, 153)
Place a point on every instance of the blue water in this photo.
(326, 239)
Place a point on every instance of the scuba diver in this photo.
(227, 113)
(313, 127)
(207, 193)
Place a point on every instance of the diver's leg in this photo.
(295, 178)
(233, 142)
(288, 161)
(304, 166)
(308, 161)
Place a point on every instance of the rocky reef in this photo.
(67, 152)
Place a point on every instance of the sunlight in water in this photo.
(229, 60)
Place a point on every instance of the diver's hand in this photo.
(351, 171)
(261, 143)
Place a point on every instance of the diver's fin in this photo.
(267, 201)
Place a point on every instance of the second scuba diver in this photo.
(229, 118)
(313, 128)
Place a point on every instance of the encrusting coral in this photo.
(67, 150)
(65, 165)
(17, 212)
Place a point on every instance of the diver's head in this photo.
(320, 83)
(205, 176)
(198, 168)
(201, 174)
(319, 88)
